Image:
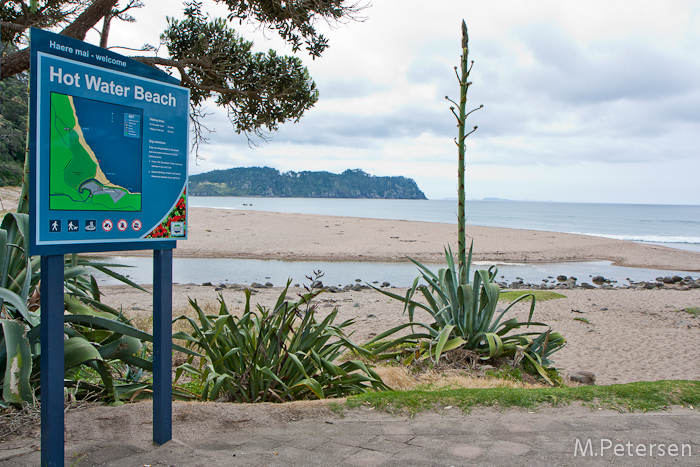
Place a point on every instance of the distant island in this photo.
(269, 182)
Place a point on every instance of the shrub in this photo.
(274, 354)
(105, 356)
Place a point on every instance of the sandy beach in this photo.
(619, 321)
(619, 334)
(220, 233)
(631, 335)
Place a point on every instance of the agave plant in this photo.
(465, 312)
(274, 354)
(466, 317)
(97, 336)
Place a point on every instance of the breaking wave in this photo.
(646, 238)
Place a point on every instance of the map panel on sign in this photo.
(95, 155)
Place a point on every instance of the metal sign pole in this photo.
(162, 345)
(52, 363)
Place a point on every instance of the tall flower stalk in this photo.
(464, 84)
(466, 313)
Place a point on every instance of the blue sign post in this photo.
(108, 149)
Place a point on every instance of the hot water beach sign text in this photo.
(109, 141)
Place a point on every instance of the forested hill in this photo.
(265, 181)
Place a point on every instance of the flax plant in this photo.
(273, 354)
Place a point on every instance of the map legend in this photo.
(132, 125)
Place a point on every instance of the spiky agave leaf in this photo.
(465, 316)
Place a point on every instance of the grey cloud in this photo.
(550, 46)
(683, 109)
(434, 72)
(433, 63)
(603, 73)
(347, 88)
(622, 103)
(349, 130)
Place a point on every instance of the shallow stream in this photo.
(246, 271)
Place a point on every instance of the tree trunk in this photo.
(104, 37)
(19, 61)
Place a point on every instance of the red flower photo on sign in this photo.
(178, 214)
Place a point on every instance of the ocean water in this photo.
(672, 225)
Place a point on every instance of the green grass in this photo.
(540, 295)
(693, 310)
(506, 372)
(583, 320)
(642, 396)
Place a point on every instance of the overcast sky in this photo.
(595, 101)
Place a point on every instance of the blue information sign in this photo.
(108, 145)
